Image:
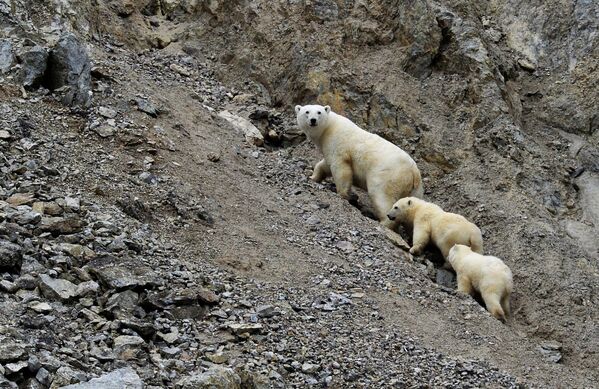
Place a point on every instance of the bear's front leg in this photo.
(321, 171)
(343, 176)
(464, 285)
(420, 239)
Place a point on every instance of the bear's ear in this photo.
(327, 109)
(298, 108)
(409, 202)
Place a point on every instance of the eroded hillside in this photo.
(142, 234)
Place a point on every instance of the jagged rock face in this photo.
(146, 231)
(69, 66)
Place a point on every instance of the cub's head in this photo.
(456, 252)
(312, 118)
(401, 208)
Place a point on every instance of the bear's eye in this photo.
(396, 207)
(307, 112)
(319, 112)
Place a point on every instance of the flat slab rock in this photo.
(116, 273)
(216, 377)
(56, 288)
(251, 133)
(125, 378)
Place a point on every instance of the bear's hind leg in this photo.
(382, 205)
(493, 306)
(343, 177)
(505, 304)
(321, 171)
(476, 242)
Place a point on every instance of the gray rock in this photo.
(148, 178)
(208, 297)
(33, 364)
(41, 307)
(26, 281)
(65, 376)
(241, 328)
(216, 377)
(69, 65)
(15, 367)
(102, 354)
(105, 131)
(23, 215)
(10, 256)
(310, 368)
(170, 337)
(7, 57)
(326, 10)
(72, 204)
(11, 352)
(87, 288)
(118, 274)
(4, 383)
(56, 288)
(345, 245)
(267, 311)
(43, 376)
(128, 347)
(551, 351)
(32, 383)
(446, 278)
(123, 304)
(33, 67)
(61, 225)
(127, 340)
(7, 286)
(107, 112)
(146, 106)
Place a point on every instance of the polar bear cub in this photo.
(429, 222)
(354, 156)
(485, 274)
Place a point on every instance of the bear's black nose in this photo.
(391, 217)
(313, 122)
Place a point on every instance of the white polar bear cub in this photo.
(429, 222)
(485, 274)
(355, 156)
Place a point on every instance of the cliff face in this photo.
(496, 101)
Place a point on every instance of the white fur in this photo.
(430, 222)
(485, 274)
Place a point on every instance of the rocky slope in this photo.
(145, 240)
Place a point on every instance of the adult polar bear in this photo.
(355, 156)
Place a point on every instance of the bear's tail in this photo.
(417, 188)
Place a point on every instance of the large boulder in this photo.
(69, 65)
(33, 66)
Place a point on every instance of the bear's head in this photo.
(401, 209)
(312, 118)
(457, 251)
